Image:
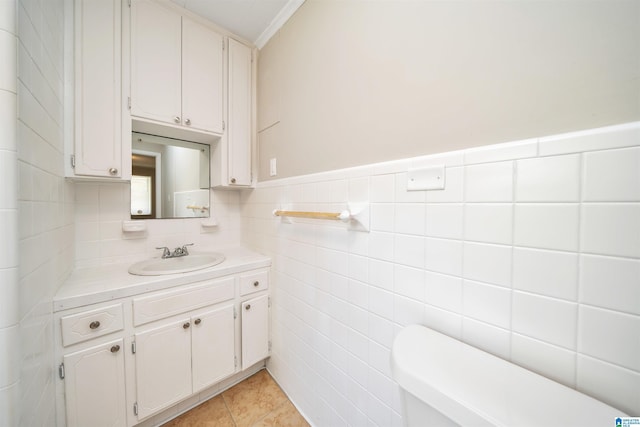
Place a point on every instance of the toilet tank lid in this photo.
(473, 387)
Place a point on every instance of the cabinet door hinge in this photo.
(135, 408)
(269, 347)
(129, 3)
(133, 347)
(73, 161)
(61, 371)
(235, 313)
(235, 361)
(223, 125)
(129, 102)
(269, 302)
(222, 44)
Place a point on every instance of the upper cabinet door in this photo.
(240, 113)
(202, 82)
(156, 70)
(98, 113)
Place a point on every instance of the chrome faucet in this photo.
(177, 252)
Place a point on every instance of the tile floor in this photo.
(255, 402)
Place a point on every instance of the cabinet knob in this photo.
(233, 180)
(187, 122)
(247, 307)
(197, 321)
(115, 349)
(186, 325)
(176, 119)
(94, 325)
(256, 283)
(113, 171)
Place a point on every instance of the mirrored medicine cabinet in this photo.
(170, 178)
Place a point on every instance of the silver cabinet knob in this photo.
(256, 283)
(247, 307)
(176, 119)
(115, 349)
(187, 122)
(113, 171)
(94, 325)
(233, 180)
(197, 321)
(186, 325)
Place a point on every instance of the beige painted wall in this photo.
(352, 82)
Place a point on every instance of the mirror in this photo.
(170, 178)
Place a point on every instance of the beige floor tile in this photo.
(284, 416)
(257, 401)
(211, 413)
(253, 398)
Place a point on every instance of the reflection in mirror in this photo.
(170, 178)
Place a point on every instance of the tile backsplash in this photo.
(101, 208)
(531, 252)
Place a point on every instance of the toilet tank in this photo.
(447, 382)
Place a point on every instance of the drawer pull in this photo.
(186, 325)
(256, 283)
(115, 349)
(248, 307)
(197, 321)
(94, 325)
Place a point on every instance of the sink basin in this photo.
(183, 264)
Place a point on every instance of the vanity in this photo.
(129, 347)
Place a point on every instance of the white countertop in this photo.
(93, 285)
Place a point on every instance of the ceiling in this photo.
(254, 20)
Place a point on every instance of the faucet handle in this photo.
(184, 248)
(166, 253)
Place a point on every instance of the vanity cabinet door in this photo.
(255, 330)
(156, 70)
(95, 386)
(212, 346)
(163, 366)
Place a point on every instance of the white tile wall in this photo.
(100, 209)
(45, 202)
(529, 253)
(612, 176)
(549, 179)
(547, 226)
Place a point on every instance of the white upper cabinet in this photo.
(240, 113)
(96, 149)
(202, 81)
(176, 69)
(232, 157)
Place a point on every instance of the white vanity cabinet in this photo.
(95, 386)
(192, 351)
(93, 366)
(123, 360)
(98, 147)
(181, 358)
(254, 309)
(255, 331)
(177, 68)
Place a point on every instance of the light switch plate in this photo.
(273, 170)
(429, 178)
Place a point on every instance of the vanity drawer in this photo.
(91, 324)
(254, 282)
(169, 303)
